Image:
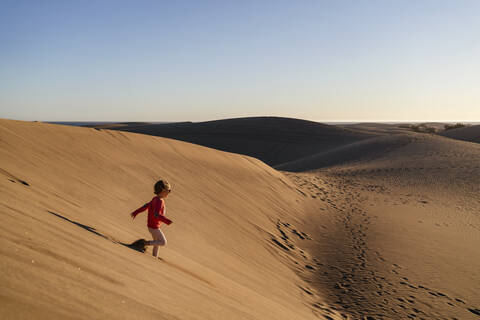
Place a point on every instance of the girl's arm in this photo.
(165, 219)
(141, 209)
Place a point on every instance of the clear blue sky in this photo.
(201, 60)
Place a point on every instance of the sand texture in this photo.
(382, 223)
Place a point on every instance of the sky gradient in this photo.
(204, 60)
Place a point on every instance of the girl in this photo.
(156, 215)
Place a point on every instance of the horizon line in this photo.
(314, 120)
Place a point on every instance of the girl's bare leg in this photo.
(158, 240)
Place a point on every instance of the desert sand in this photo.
(380, 223)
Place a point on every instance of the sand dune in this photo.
(382, 225)
(273, 140)
(362, 150)
(470, 133)
(66, 197)
(379, 128)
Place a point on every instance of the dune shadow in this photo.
(94, 231)
(89, 229)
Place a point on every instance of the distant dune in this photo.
(273, 140)
(379, 128)
(387, 128)
(361, 150)
(469, 133)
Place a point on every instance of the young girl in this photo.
(156, 215)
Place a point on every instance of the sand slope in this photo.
(273, 140)
(66, 195)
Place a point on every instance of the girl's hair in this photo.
(161, 185)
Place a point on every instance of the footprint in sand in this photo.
(474, 311)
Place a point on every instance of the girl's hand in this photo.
(132, 215)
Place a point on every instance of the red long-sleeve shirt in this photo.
(156, 213)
